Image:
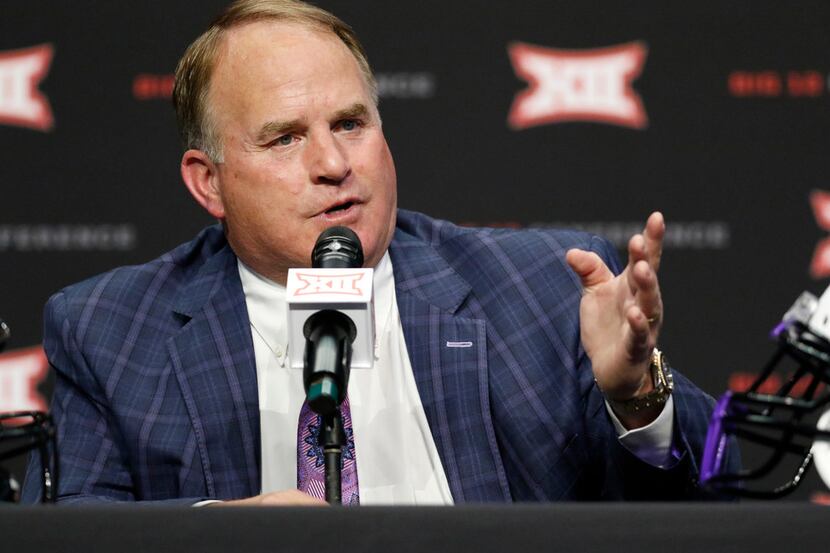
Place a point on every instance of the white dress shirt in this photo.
(397, 461)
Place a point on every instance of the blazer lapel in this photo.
(214, 363)
(448, 352)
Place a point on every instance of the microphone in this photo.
(337, 248)
(330, 312)
(329, 333)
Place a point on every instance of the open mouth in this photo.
(339, 207)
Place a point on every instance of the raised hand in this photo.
(621, 316)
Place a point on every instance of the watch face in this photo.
(668, 376)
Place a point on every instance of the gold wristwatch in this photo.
(663, 387)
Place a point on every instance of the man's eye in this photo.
(349, 125)
(285, 140)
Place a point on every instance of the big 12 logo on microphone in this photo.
(325, 282)
(21, 103)
(578, 85)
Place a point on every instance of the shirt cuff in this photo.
(651, 443)
(206, 502)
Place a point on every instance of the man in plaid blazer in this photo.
(156, 388)
(156, 393)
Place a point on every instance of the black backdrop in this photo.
(734, 144)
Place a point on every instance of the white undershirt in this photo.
(397, 461)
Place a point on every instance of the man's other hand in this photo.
(281, 498)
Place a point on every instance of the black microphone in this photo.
(329, 334)
(337, 248)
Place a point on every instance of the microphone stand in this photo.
(332, 439)
(329, 335)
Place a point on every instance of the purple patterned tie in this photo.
(311, 477)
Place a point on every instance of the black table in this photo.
(594, 528)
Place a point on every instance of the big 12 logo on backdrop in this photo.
(21, 103)
(20, 373)
(820, 265)
(578, 85)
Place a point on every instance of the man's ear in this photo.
(201, 177)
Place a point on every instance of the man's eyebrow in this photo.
(355, 110)
(276, 128)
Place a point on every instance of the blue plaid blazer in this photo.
(156, 393)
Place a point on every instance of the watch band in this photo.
(663, 387)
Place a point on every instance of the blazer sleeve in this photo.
(620, 475)
(93, 461)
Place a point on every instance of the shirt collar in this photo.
(268, 311)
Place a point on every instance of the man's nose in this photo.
(329, 162)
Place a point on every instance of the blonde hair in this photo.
(195, 69)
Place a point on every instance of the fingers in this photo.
(653, 237)
(637, 344)
(645, 314)
(589, 267)
(649, 244)
(636, 254)
(647, 292)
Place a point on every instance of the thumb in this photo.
(589, 267)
